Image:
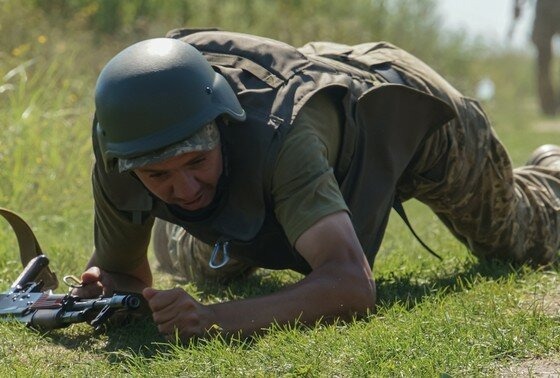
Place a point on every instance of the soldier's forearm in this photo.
(325, 295)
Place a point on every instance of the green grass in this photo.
(458, 317)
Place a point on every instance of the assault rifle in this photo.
(27, 303)
(30, 299)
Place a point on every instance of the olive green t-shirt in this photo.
(304, 188)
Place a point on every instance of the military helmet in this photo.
(156, 93)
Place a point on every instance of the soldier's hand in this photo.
(95, 282)
(175, 311)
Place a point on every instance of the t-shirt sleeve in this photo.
(304, 188)
(120, 245)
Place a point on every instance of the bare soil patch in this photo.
(547, 125)
(532, 368)
(546, 299)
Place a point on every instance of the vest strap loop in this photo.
(246, 64)
(217, 261)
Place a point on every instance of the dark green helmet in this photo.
(156, 93)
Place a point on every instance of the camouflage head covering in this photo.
(205, 139)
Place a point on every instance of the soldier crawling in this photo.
(246, 152)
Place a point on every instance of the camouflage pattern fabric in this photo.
(180, 254)
(206, 139)
(464, 174)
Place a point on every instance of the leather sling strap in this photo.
(29, 246)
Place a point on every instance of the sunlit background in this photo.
(437, 319)
(489, 20)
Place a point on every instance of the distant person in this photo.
(240, 152)
(545, 26)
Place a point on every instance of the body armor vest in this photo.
(384, 125)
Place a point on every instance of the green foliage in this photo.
(458, 317)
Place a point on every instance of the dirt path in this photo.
(545, 299)
(547, 125)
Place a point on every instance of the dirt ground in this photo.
(548, 301)
(548, 125)
(532, 368)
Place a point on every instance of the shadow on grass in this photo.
(262, 282)
(140, 338)
(410, 289)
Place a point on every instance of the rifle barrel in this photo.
(125, 301)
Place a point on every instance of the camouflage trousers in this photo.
(186, 257)
(464, 174)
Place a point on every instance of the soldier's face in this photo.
(188, 180)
